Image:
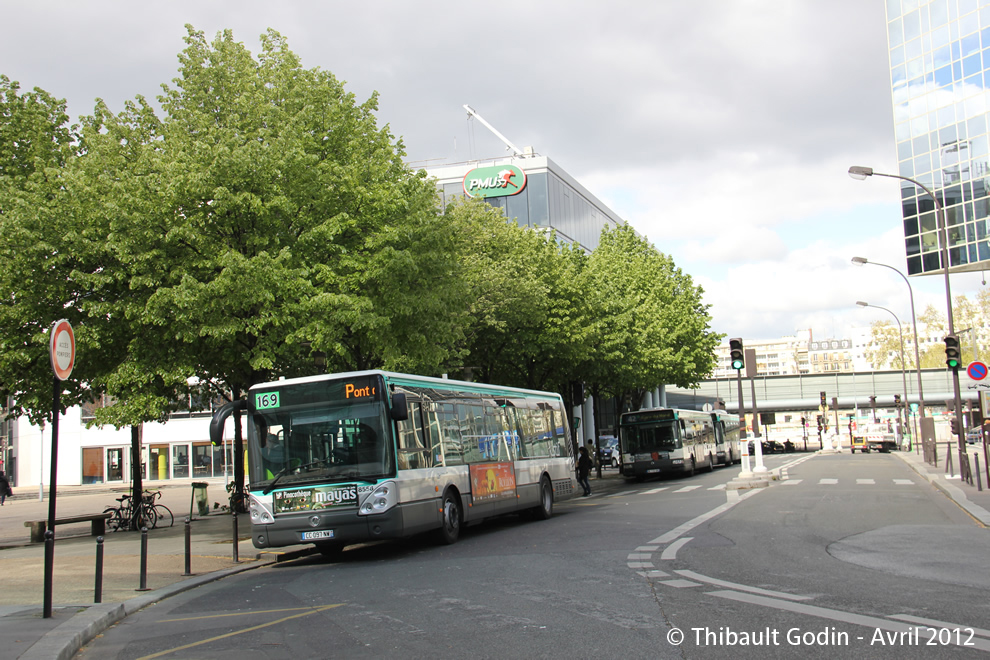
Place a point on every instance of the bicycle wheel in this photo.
(149, 515)
(115, 521)
(164, 515)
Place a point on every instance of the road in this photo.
(841, 559)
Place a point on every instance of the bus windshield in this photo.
(324, 443)
(646, 439)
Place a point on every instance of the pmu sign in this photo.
(494, 181)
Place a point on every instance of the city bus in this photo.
(344, 458)
(727, 433)
(666, 441)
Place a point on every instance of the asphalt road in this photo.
(619, 574)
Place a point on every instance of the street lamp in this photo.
(859, 261)
(900, 331)
(860, 173)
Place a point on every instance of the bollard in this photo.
(188, 548)
(144, 560)
(948, 461)
(233, 512)
(979, 480)
(98, 587)
(49, 570)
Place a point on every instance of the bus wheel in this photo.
(450, 513)
(690, 471)
(545, 508)
(711, 463)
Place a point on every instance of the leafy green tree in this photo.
(528, 312)
(651, 327)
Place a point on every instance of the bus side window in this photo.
(414, 453)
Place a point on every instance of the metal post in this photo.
(948, 459)
(979, 479)
(233, 513)
(144, 560)
(188, 533)
(744, 449)
(49, 569)
(98, 587)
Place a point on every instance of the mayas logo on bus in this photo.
(319, 497)
(494, 181)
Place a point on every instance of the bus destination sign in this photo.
(649, 416)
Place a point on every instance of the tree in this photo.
(651, 325)
(528, 312)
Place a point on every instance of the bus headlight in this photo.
(261, 513)
(379, 500)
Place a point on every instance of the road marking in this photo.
(639, 555)
(654, 574)
(639, 564)
(240, 632)
(982, 632)
(670, 552)
(903, 482)
(834, 615)
(680, 584)
(734, 499)
(792, 482)
(687, 489)
(827, 482)
(741, 587)
(647, 548)
(865, 482)
(718, 487)
(654, 491)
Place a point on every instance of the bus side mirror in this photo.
(399, 411)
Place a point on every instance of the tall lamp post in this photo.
(859, 261)
(860, 173)
(900, 331)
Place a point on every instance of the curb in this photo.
(978, 513)
(66, 639)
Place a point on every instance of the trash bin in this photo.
(199, 499)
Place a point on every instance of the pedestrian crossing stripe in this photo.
(687, 489)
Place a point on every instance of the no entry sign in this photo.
(62, 349)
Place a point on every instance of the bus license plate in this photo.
(653, 470)
(319, 534)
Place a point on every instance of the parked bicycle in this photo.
(151, 513)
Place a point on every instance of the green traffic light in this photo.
(737, 364)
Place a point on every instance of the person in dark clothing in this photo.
(5, 490)
(583, 468)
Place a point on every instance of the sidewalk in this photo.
(26, 635)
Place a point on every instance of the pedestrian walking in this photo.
(583, 469)
(5, 490)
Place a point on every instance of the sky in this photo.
(722, 131)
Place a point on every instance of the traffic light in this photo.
(823, 404)
(736, 353)
(954, 426)
(952, 351)
(897, 400)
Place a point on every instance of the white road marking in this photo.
(719, 487)
(834, 615)
(654, 491)
(793, 482)
(653, 574)
(687, 489)
(903, 482)
(680, 584)
(865, 482)
(733, 497)
(741, 587)
(670, 552)
(640, 564)
(827, 482)
(982, 632)
(639, 555)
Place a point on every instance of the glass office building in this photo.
(940, 73)
(538, 194)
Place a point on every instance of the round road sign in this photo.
(976, 370)
(62, 349)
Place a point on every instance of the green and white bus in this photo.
(345, 458)
(666, 441)
(728, 430)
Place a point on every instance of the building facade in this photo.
(939, 54)
(532, 190)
